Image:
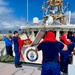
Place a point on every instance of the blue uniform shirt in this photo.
(15, 40)
(50, 50)
(72, 38)
(8, 42)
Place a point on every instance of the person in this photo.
(16, 49)
(65, 55)
(8, 43)
(72, 38)
(64, 39)
(21, 43)
(50, 48)
(64, 61)
(3, 39)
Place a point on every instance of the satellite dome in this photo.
(47, 23)
(35, 20)
(50, 20)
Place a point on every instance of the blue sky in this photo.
(19, 7)
(13, 13)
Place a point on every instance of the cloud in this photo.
(11, 22)
(72, 19)
(8, 21)
(3, 3)
(5, 10)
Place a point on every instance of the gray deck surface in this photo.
(27, 69)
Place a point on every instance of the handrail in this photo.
(1, 51)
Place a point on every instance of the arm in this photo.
(63, 46)
(39, 47)
(65, 40)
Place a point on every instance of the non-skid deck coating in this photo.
(27, 69)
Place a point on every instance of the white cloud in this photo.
(7, 19)
(72, 17)
(2, 2)
(5, 10)
(11, 22)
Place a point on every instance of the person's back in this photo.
(50, 50)
(8, 42)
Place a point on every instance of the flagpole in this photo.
(27, 11)
(43, 6)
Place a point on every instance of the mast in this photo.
(55, 9)
(27, 12)
(69, 16)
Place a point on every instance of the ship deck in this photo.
(27, 69)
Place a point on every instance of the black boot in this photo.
(20, 63)
(18, 66)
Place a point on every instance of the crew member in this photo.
(72, 38)
(64, 39)
(65, 55)
(8, 43)
(21, 43)
(16, 49)
(50, 48)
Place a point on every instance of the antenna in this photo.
(43, 6)
(69, 13)
(69, 16)
(27, 11)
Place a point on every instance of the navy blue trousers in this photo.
(65, 60)
(9, 50)
(17, 55)
(65, 57)
(50, 68)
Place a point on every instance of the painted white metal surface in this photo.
(23, 36)
(73, 59)
(55, 27)
(71, 69)
(2, 48)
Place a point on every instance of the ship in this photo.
(53, 19)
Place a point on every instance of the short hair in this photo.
(15, 32)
